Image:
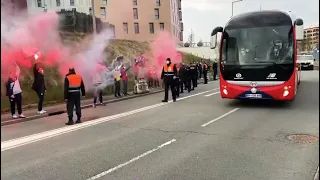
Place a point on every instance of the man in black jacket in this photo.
(73, 89)
(39, 86)
(194, 75)
(168, 75)
(215, 69)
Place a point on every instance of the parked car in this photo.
(306, 62)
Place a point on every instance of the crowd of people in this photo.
(177, 77)
(180, 77)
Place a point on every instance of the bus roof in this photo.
(260, 19)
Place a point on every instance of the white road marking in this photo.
(316, 176)
(131, 161)
(220, 117)
(211, 94)
(14, 143)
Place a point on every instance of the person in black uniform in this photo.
(200, 70)
(193, 75)
(187, 78)
(196, 75)
(205, 72)
(215, 69)
(182, 72)
(177, 80)
(168, 75)
(73, 89)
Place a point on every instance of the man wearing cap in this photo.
(73, 89)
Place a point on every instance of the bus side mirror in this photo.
(213, 41)
(299, 29)
(214, 36)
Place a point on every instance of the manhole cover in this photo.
(303, 138)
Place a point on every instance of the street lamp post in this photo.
(93, 17)
(232, 6)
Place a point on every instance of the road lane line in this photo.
(14, 143)
(220, 117)
(316, 176)
(211, 94)
(132, 160)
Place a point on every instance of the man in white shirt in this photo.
(14, 92)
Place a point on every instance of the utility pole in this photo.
(233, 2)
(93, 17)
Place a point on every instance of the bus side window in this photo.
(224, 50)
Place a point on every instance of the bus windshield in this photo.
(258, 45)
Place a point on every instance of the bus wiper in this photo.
(273, 63)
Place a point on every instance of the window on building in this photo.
(125, 28)
(158, 2)
(71, 2)
(135, 13)
(151, 28)
(39, 3)
(58, 2)
(156, 13)
(161, 26)
(104, 2)
(135, 2)
(136, 28)
(103, 12)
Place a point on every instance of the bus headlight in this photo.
(311, 62)
(225, 92)
(285, 93)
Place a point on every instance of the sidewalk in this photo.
(32, 114)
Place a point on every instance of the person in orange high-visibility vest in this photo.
(169, 75)
(73, 89)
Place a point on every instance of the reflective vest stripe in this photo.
(74, 90)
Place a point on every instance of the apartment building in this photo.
(141, 20)
(311, 38)
(35, 6)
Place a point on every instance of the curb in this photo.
(57, 112)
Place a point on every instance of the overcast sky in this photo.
(203, 15)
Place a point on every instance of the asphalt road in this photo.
(201, 136)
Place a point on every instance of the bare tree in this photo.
(191, 38)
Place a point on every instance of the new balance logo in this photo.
(272, 76)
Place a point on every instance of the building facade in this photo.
(311, 38)
(141, 20)
(36, 6)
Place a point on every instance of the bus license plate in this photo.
(254, 95)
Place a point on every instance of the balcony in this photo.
(180, 15)
(181, 26)
(179, 4)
